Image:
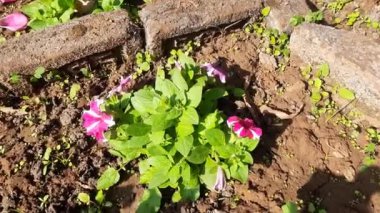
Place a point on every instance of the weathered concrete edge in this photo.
(82, 30)
(155, 38)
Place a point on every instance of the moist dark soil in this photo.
(299, 159)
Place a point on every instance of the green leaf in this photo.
(214, 94)
(323, 70)
(194, 95)
(318, 83)
(142, 100)
(174, 174)
(239, 171)
(84, 198)
(66, 16)
(198, 155)
(215, 137)
(74, 89)
(226, 151)
(137, 141)
(209, 175)
(138, 129)
(150, 201)
(190, 116)
(100, 197)
(289, 207)
(39, 72)
(184, 145)
(316, 96)
(184, 129)
(176, 197)
(251, 144)
(161, 122)
(109, 178)
(346, 94)
(247, 158)
(265, 11)
(167, 87)
(179, 80)
(154, 170)
(296, 20)
(184, 59)
(190, 192)
(212, 120)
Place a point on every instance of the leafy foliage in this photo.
(177, 133)
(45, 13)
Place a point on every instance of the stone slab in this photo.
(56, 46)
(354, 60)
(282, 11)
(167, 19)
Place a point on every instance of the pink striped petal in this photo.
(120, 87)
(6, 1)
(214, 71)
(244, 128)
(14, 22)
(232, 120)
(95, 121)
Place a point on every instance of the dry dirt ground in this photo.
(297, 159)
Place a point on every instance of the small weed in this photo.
(46, 160)
(19, 166)
(275, 42)
(86, 72)
(353, 17)
(15, 78)
(311, 17)
(338, 5)
(2, 150)
(38, 74)
(43, 201)
(74, 89)
(144, 63)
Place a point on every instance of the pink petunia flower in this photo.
(220, 182)
(214, 71)
(120, 87)
(6, 1)
(244, 127)
(96, 122)
(14, 22)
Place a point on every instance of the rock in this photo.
(167, 19)
(282, 11)
(354, 60)
(268, 61)
(56, 46)
(349, 173)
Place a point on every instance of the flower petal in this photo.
(232, 120)
(220, 182)
(213, 71)
(14, 22)
(6, 1)
(95, 121)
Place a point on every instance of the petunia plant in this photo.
(180, 138)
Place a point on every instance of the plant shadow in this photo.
(272, 126)
(336, 194)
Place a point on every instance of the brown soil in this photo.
(298, 159)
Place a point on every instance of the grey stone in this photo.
(56, 46)
(282, 11)
(172, 18)
(354, 60)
